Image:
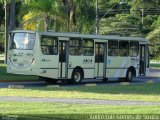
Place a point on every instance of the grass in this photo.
(46, 111)
(155, 65)
(5, 76)
(142, 92)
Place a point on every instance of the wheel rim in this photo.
(129, 75)
(77, 77)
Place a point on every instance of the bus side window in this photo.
(75, 46)
(88, 47)
(123, 48)
(112, 48)
(134, 49)
(31, 41)
(49, 45)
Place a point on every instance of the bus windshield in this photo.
(24, 41)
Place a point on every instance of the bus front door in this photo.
(100, 58)
(143, 53)
(63, 59)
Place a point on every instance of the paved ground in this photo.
(78, 101)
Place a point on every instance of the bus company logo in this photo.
(44, 60)
(87, 61)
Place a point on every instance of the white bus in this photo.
(73, 56)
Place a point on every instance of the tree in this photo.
(2, 28)
(143, 4)
(80, 15)
(2, 12)
(125, 24)
(84, 17)
(154, 39)
(6, 6)
(41, 11)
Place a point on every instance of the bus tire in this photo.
(129, 75)
(77, 76)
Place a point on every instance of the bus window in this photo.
(49, 45)
(123, 48)
(88, 47)
(112, 48)
(75, 46)
(134, 49)
(24, 41)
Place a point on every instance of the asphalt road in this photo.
(78, 101)
(154, 77)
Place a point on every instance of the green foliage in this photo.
(51, 15)
(142, 4)
(44, 11)
(125, 24)
(84, 16)
(149, 23)
(154, 38)
(2, 14)
(2, 38)
(156, 23)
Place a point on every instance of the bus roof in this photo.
(78, 35)
(19, 31)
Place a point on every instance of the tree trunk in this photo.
(6, 29)
(12, 15)
(66, 4)
(69, 11)
(47, 22)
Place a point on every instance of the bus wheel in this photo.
(129, 76)
(77, 76)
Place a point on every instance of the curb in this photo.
(52, 86)
(16, 86)
(150, 82)
(90, 85)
